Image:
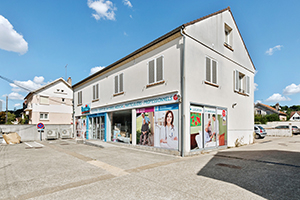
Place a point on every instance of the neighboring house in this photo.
(190, 89)
(262, 109)
(50, 104)
(295, 116)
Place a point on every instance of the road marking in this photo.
(109, 168)
(38, 144)
(28, 144)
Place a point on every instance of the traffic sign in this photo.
(40, 126)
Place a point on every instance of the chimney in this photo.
(277, 106)
(69, 81)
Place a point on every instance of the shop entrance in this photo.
(97, 128)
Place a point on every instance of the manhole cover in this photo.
(229, 166)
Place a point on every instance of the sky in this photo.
(41, 41)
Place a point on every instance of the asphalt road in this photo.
(62, 169)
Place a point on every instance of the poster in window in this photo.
(196, 135)
(222, 131)
(166, 126)
(210, 127)
(145, 126)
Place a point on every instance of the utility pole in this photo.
(6, 110)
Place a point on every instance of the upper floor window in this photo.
(118, 84)
(44, 116)
(228, 36)
(96, 92)
(211, 71)
(242, 83)
(44, 100)
(156, 70)
(79, 97)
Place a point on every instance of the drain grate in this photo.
(64, 144)
(33, 147)
(229, 166)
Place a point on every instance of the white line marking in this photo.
(28, 144)
(38, 144)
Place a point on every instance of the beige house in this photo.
(50, 104)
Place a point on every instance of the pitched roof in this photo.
(158, 40)
(47, 85)
(271, 108)
(293, 112)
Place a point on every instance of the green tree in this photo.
(10, 117)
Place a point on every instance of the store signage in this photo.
(196, 109)
(166, 99)
(85, 109)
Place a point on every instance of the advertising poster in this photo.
(83, 127)
(166, 126)
(144, 126)
(196, 115)
(210, 127)
(222, 131)
(78, 127)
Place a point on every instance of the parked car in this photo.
(260, 132)
(282, 127)
(295, 130)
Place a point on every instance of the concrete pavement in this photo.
(62, 169)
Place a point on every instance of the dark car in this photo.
(260, 132)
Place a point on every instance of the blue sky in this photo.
(39, 38)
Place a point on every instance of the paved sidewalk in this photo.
(62, 169)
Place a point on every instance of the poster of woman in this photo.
(166, 126)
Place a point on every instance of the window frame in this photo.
(44, 97)
(211, 71)
(120, 82)
(44, 114)
(155, 81)
(241, 83)
(95, 89)
(79, 98)
(228, 37)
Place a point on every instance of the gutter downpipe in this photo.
(182, 91)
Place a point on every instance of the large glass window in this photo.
(121, 126)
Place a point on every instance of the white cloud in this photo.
(255, 86)
(104, 9)
(95, 69)
(10, 40)
(17, 105)
(29, 85)
(125, 33)
(130, 16)
(14, 95)
(291, 89)
(271, 50)
(257, 101)
(127, 3)
(277, 97)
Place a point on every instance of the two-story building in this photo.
(190, 89)
(50, 104)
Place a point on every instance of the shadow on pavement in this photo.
(270, 174)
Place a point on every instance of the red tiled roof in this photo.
(271, 108)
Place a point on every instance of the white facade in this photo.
(224, 87)
(51, 104)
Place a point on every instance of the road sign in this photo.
(40, 126)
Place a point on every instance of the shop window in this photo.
(44, 100)
(211, 71)
(96, 92)
(79, 97)
(44, 116)
(118, 84)
(121, 126)
(242, 83)
(156, 70)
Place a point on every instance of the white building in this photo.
(193, 84)
(51, 104)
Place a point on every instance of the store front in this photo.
(121, 126)
(208, 127)
(96, 127)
